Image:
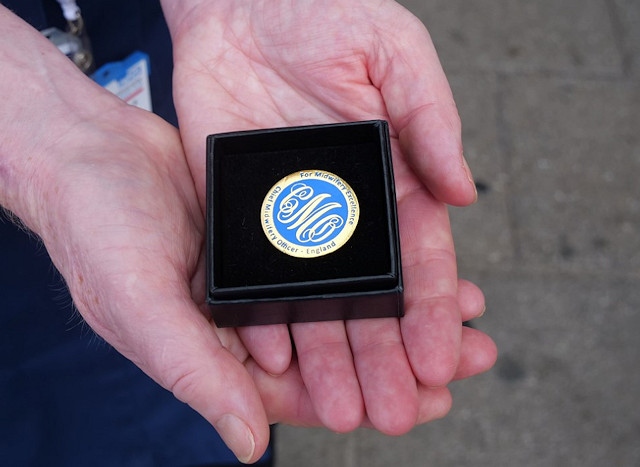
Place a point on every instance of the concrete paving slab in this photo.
(575, 166)
(482, 232)
(626, 20)
(314, 447)
(520, 35)
(564, 391)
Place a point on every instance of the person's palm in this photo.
(262, 64)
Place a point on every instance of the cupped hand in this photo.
(259, 64)
(123, 225)
(107, 188)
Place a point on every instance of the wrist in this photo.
(187, 17)
(45, 98)
(178, 13)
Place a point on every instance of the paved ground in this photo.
(549, 93)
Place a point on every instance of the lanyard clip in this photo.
(74, 42)
(83, 58)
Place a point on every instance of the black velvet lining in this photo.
(245, 166)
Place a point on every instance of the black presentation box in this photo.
(302, 225)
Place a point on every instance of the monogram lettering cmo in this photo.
(310, 213)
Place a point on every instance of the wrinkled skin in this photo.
(117, 197)
(245, 65)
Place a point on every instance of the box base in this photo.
(376, 305)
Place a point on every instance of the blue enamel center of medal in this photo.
(310, 212)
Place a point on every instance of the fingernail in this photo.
(237, 436)
(467, 170)
(482, 312)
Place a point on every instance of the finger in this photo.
(470, 300)
(431, 327)
(200, 372)
(178, 347)
(287, 400)
(386, 378)
(478, 353)
(326, 367)
(269, 345)
(285, 397)
(435, 403)
(421, 108)
(432, 142)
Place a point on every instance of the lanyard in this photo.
(70, 10)
(74, 42)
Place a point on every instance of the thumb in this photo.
(213, 382)
(179, 348)
(421, 108)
